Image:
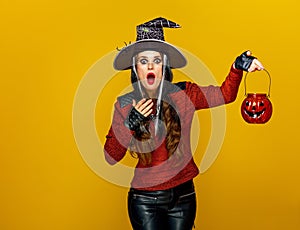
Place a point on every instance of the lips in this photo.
(150, 78)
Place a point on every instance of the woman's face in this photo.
(149, 70)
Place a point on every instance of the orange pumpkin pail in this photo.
(257, 107)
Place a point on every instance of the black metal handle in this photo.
(269, 83)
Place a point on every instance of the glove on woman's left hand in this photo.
(247, 62)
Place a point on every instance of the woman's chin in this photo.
(150, 87)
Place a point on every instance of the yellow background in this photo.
(46, 47)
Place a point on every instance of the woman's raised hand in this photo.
(247, 62)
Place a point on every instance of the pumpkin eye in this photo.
(261, 103)
(247, 103)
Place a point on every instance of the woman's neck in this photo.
(152, 94)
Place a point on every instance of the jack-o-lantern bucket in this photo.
(256, 107)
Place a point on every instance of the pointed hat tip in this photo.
(161, 22)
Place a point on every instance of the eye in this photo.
(143, 61)
(247, 103)
(261, 103)
(157, 60)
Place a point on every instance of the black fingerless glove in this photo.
(135, 121)
(243, 61)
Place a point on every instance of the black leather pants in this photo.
(172, 209)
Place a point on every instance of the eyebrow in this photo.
(148, 57)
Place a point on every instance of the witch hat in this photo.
(150, 36)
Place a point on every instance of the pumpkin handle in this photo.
(269, 82)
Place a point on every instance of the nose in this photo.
(150, 65)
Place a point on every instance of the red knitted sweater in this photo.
(164, 172)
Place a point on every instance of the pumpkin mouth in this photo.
(254, 115)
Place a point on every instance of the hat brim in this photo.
(123, 59)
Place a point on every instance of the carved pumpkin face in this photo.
(256, 108)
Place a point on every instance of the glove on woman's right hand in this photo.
(134, 120)
(139, 115)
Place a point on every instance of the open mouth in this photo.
(254, 115)
(150, 78)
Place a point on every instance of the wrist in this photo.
(235, 70)
(134, 120)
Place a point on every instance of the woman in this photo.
(153, 122)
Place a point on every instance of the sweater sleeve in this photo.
(211, 96)
(118, 137)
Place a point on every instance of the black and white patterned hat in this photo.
(150, 36)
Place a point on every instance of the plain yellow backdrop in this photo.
(46, 47)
